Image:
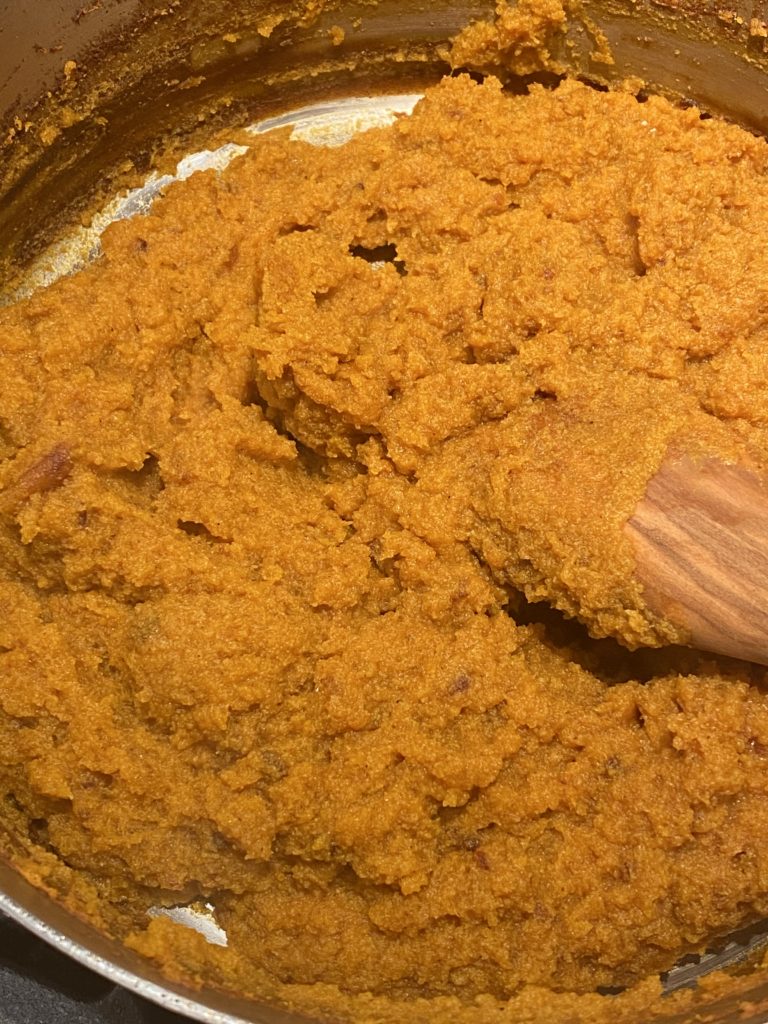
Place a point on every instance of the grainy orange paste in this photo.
(285, 475)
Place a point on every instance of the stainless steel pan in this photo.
(113, 58)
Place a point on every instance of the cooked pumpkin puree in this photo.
(286, 474)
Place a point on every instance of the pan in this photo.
(112, 62)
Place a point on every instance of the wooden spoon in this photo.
(701, 541)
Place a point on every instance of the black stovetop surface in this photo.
(39, 985)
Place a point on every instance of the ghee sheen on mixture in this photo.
(285, 475)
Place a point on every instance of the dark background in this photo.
(39, 985)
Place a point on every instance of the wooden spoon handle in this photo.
(701, 542)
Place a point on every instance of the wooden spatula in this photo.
(701, 541)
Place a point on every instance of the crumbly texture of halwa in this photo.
(284, 474)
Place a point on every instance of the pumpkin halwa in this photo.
(292, 477)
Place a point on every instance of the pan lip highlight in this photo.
(158, 994)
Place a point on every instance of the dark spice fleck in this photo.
(460, 684)
(482, 860)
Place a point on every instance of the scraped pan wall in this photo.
(88, 85)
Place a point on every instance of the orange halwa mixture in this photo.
(289, 479)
